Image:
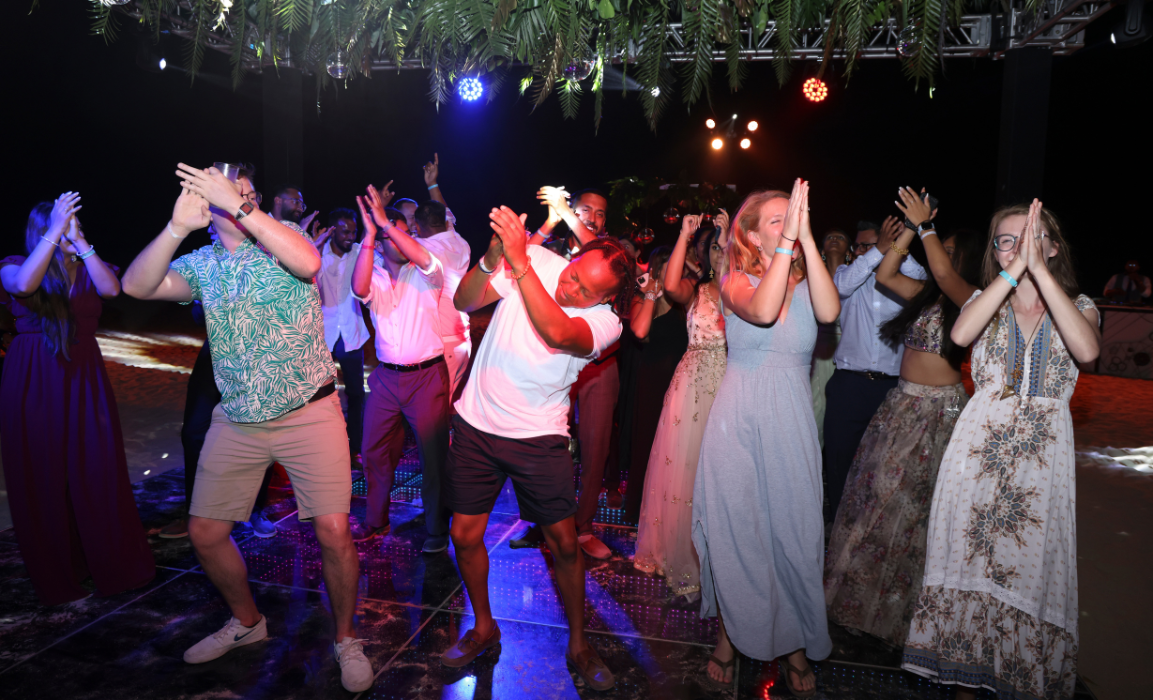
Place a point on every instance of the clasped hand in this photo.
(509, 227)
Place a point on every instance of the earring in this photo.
(823, 256)
(711, 273)
(848, 257)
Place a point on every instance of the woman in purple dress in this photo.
(63, 453)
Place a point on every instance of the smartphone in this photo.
(643, 280)
(932, 201)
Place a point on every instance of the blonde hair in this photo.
(742, 255)
(1061, 264)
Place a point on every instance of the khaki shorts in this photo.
(310, 443)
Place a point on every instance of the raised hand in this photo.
(890, 230)
(308, 221)
(376, 204)
(211, 184)
(690, 223)
(1037, 263)
(76, 233)
(555, 198)
(793, 217)
(721, 220)
(914, 206)
(190, 213)
(63, 209)
(365, 215)
(510, 228)
(384, 194)
(806, 228)
(431, 171)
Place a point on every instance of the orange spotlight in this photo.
(815, 90)
(745, 143)
(710, 123)
(753, 126)
(718, 144)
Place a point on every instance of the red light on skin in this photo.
(718, 144)
(815, 90)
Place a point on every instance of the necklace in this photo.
(1014, 358)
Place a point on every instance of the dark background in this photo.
(81, 115)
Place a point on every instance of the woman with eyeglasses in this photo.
(834, 252)
(63, 452)
(876, 549)
(998, 604)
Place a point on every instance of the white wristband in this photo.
(930, 232)
(168, 228)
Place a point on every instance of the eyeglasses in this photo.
(1004, 242)
(295, 201)
(863, 247)
(254, 197)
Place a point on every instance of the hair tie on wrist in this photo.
(1009, 278)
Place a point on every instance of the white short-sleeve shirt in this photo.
(519, 387)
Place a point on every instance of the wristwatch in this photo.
(925, 226)
(244, 210)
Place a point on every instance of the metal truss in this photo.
(1058, 24)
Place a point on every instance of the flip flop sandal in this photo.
(788, 669)
(725, 666)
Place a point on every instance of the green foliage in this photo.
(533, 41)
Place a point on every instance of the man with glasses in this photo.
(288, 205)
(867, 366)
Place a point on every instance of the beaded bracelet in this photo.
(897, 249)
(527, 267)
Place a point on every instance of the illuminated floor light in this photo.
(470, 89)
(718, 144)
(815, 90)
(753, 126)
(745, 143)
(710, 123)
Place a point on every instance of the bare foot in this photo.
(725, 652)
(798, 661)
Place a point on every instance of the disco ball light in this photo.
(337, 64)
(113, 3)
(645, 236)
(815, 90)
(672, 215)
(907, 42)
(470, 89)
(581, 65)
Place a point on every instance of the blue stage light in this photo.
(470, 89)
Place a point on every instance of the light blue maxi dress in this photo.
(757, 522)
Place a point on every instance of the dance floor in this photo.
(411, 608)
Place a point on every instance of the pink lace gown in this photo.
(664, 532)
(64, 461)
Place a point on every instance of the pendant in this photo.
(1007, 392)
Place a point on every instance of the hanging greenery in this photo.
(547, 45)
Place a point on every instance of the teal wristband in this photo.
(786, 251)
(1009, 278)
(433, 187)
(86, 254)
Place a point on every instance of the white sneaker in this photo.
(355, 670)
(220, 643)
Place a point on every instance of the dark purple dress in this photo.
(64, 462)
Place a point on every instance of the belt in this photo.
(327, 390)
(412, 368)
(872, 376)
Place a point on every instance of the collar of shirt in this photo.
(342, 315)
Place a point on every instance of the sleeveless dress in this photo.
(998, 606)
(64, 463)
(664, 545)
(876, 551)
(757, 506)
(821, 371)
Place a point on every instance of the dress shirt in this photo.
(406, 315)
(454, 255)
(865, 307)
(342, 315)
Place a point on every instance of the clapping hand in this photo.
(309, 220)
(1035, 259)
(376, 204)
(190, 213)
(63, 209)
(211, 184)
(384, 194)
(797, 201)
(365, 216)
(806, 228)
(510, 228)
(431, 171)
(915, 207)
(890, 230)
(556, 198)
(76, 234)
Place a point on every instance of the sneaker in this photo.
(262, 526)
(174, 530)
(532, 538)
(220, 643)
(435, 543)
(588, 665)
(614, 499)
(594, 547)
(355, 670)
(362, 532)
(469, 647)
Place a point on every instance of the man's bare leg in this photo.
(568, 562)
(340, 567)
(217, 553)
(472, 558)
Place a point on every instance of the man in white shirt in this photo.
(345, 332)
(552, 319)
(867, 366)
(410, 383)
(442, 240)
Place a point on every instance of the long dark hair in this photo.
(50, 301)
(622, 265)
(967, 262)
(705, 238)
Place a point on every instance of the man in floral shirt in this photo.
(277, 381)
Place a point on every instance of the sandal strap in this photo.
(725, 665)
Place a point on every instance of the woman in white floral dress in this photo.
(998, 606)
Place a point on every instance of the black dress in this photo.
(647, 369)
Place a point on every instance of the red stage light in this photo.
(710, 123)
(815, 90)
(718, 144)
(745, 143)
(753, 126)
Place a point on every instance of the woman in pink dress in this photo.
(63, 452)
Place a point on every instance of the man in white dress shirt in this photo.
(867, 366)
(411, 382)
(345, 332)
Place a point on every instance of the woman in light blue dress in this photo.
(757, 520)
